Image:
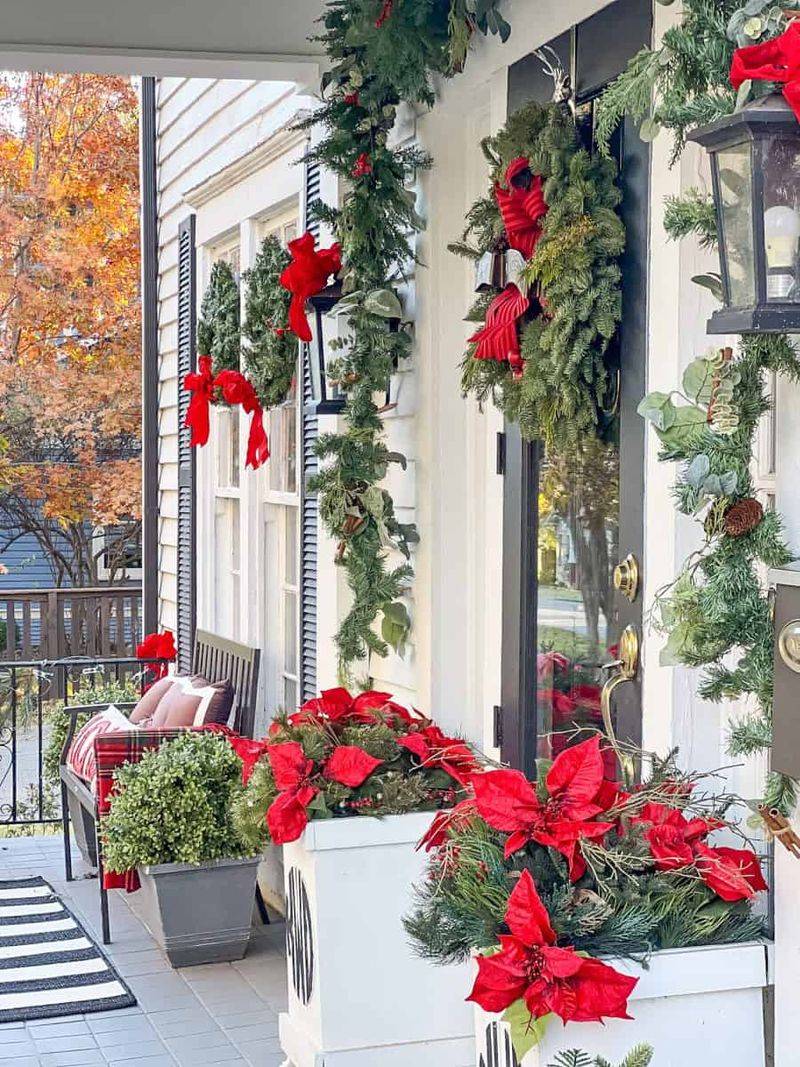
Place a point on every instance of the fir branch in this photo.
(691, 213)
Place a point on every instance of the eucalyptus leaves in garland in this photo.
(218, 327)
(550, 372)
(382, 53)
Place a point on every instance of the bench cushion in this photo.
(193, 702)
(81, 758)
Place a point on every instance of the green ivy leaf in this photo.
(396, 626)
(385, 303)
(698, 379)
(672, 654)
(687, 425)
(650, 129)
(697, 471)
(712, 282)
(744, 91)
(526, 1032)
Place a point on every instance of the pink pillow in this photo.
(193, 702)
(81, 758)
(150, 700)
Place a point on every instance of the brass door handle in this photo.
(625, 669)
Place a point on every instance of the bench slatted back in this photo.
(218, 659)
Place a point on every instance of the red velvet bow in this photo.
(236, 389)
(774, 61)
(157, 646)
(307, 275)
(498, 338)
(522, 208)
(201, 386)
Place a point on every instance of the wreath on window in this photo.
(263, 345)
(546, 242)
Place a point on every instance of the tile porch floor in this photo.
(216, 1014)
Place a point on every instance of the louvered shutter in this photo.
(187, 535)
(308, 503)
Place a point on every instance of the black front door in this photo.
(570, 520)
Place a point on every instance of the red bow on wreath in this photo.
(236, 389)
(522, 206)
(774, 61)
(201, 386)
(498, 338)
(305, 276)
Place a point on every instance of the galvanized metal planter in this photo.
(200, 914)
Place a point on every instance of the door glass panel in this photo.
(576, 621)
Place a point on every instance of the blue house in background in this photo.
(28, 566)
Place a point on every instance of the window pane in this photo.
(283, 445)
(737, 222)
(290, 520)
(290, 632)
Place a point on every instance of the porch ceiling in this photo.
(238, 38)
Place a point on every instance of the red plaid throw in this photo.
(111, 751)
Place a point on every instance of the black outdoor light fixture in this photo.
(755, 168)
(327, 397)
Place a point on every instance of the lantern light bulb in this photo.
(781, 237)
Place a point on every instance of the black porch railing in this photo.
(32, 694)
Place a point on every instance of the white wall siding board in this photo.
(196, 139)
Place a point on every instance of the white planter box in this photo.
(358, 996)
(696, 1005)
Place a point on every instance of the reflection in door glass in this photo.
(576, 625)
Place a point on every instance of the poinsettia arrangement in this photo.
(341, 755)
(541, 878)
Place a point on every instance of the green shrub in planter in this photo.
(174, 805)
(639, 1057)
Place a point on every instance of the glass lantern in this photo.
(327, 398)
(755, 169)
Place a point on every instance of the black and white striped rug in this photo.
(49, 966)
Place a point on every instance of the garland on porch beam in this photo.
(716, 613)
(554, 205)
(382, 53)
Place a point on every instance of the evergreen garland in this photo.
(641, 1056)
(269, 350)
(218, 333)
(382, 53)
(716, 608)
(574, 272)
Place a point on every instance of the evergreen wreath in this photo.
(218, 327)
(269, 350)
(570, 284)
(382, 53)
(717, 606)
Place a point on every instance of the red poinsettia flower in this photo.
(338, 706)
(201, 386)
(350, 765)
(671, 836)
(363, 166)
(576, 791)
(352, 99)
(443, 822)
(157, 646)
(436, 751)
(287, 816)
(733, 873)
(248, 751)
(307, 275)
(530, 966)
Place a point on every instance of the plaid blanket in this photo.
(111, 751)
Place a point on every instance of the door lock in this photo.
(624, 669)
(626, 577)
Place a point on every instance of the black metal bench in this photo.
(216, 659)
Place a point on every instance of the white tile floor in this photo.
(217, 1014)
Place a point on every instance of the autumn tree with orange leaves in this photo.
(70, 344)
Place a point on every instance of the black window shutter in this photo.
(308, 502)
(187, 533)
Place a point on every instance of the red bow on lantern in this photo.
(498, 338)
(305, 276)
(522, 206)
(774, 61)
(201, 386)
(236, 389)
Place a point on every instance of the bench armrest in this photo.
(73, 711)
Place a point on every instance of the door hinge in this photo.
(501, 453)
(497, 726)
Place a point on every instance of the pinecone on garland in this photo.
(743, 516)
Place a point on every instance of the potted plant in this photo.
(347, 787)
(587, 903)
(171, 818)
